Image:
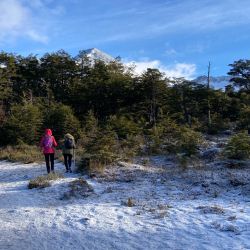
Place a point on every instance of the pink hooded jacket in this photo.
(51, 150)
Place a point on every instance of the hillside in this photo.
(149, 204)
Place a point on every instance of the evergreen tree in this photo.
(240, 73)
(7, 77)
(29, 83)
(58, 70)
(61, 119)
(150, 90)
(23, 125)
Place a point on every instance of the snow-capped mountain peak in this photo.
(96, 54)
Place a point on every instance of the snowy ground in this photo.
(204, 208)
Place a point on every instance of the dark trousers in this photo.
(67, 161)
(49, 159)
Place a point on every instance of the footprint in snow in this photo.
(83, 221)
(119, 217)
(92, 209)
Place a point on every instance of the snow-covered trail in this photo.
(39, 219)
(168, 213)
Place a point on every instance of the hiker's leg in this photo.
(69, 160)
(65, 161)
(52, 162)
(47, 162)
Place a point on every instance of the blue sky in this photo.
(179, 37)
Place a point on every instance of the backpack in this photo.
(47, 142)
(68, 143)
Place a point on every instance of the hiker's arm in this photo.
(54, 142)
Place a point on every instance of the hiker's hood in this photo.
(68, 136)
(48, 131)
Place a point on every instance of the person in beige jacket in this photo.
(68, 149)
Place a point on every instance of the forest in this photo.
(114, 113)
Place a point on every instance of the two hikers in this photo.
(68, 151)
(48, 143)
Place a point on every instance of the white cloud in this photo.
(201, 16)
(177, 70)
(13, 15)
(171, 52)
(178, 17)
(181, 70)
(34, 35)
(17, 20)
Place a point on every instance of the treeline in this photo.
(111, 110)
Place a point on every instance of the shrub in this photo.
(123, 126)
(43, 181)
(60, 118)
(101, 148)
(23, 125)
(168, 137)
(188, 141)
(154, 141)
(219, 124)
(244, 121)
(185, 161)
(160, 138)
(102, 145)
(131, 146)
(238, 147)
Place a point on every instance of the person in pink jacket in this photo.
(47, 144)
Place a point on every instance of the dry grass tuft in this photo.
(78, 188)
(21, 153)
(44, 181)
(212, 210)
(130, 202)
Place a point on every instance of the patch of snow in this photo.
(171, 208)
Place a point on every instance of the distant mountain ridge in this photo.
(215, 81)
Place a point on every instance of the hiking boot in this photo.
(66, 171)
(70, 170)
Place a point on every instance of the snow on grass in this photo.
(153, 205)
